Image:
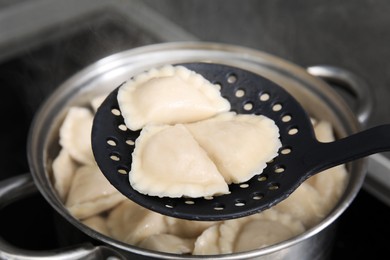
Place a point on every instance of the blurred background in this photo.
(44, 42)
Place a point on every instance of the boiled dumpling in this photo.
(324, 131)
(187, 228)
(97, 101)
(261, 233)
(168, 243)
(239, 145)
(168, 162)
(63, 171)
(75, 134)
(305, 203)
(256, 231)
(97, 223)
(208, 242)
(91, 193)
(131, 223)
(169, 95)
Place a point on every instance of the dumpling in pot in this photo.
(131, 223)
(187, 228)
(63, 172)
(256, 231)
(169, 95)
(97, 101)
(97, 223)
(75, 134)
(305, 204)
(168, 162)
(239, 145)
(91, 193)
(208, 242)
(168, 243)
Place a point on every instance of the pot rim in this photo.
(250, 59)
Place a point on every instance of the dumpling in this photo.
(91, 193)
(305, 204)
(266, 228)
(131, 223)
(239, 145)
(168, 243)
(75, 134)
(168, 162)
(97, 223)
(330, 184)
(169, 95)
(187, 228)
(97, 101)
(261, 233)
(208, 242)
(63, 171)
(324, 131)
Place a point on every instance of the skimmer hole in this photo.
(279, 169)
(277, 107)
(130, 142)
(232, 78)
(114, 157)
(240, 203)
(262, 177)
(171, 206)
(122, 127)
(286, 118)
(264, 96)
(219, 206)
(273, 186)
(293, 131)
(116, 112)
(111, 142)
(122, 171)
(257, 196)
(240, 93)
(286, 150)
(248, 106)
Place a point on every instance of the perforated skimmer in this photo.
(300, 156)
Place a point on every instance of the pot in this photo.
(315, 95)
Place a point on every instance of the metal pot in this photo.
(315, 94)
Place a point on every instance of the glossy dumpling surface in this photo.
(131, 223)
(168, 162)
(256, 231)
(90, 193)
(208, 242)
(239, 145)
(169, 95)
(305, 203)
(75, 134)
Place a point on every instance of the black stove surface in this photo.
(30, 77)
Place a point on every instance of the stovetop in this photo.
(29, 76)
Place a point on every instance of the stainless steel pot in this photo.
(315, 94)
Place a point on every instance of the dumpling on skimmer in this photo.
(239, 145)
(168, 162)
(169, 95)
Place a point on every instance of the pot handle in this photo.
(21, 186)
(350, 82)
